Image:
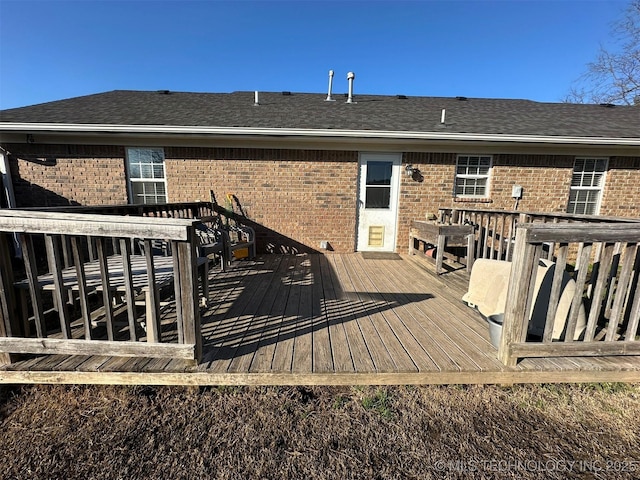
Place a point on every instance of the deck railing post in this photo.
(189, 308)
(8, 323)
(455, 217)
(519, 295)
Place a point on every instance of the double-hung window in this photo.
(472, 176)
(146, 175)
(587, 183)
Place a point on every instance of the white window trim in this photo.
(475, 177)
(135, 180)
(599, 189)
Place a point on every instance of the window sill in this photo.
(471, 200)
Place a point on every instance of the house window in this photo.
(472, 176)
(586, 185)
(147, 179)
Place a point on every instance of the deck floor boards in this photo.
(305, 319)
(372, 328)
(408, 354)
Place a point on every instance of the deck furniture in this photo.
(225, 240)
(442, 236)
(163, 277)
(240, 238)
(212, 242)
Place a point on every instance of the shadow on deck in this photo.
(331, 319)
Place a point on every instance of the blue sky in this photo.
(53, 49)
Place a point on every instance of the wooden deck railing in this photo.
(82, 253)
(606, 291)
(495, 229)
(165, 210)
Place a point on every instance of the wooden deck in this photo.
(331, 319)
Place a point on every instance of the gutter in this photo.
(313, 133)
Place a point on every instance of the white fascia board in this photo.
(313, 133)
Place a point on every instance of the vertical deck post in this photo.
(8, 322)
(519, 295)
(189, 293)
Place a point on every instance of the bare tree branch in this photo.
(614, 76)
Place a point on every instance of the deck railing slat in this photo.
(634, 313)
(83, 292)
(53, 246)
(125, 251)
(556, 288)
(581, 278)
(602, 280)
(154, 332)
(613, 279)
(106, 286)
(31, 269)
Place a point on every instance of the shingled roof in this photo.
(284, 110)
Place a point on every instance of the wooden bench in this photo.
(442, 236)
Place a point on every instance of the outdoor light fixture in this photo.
(408, 169)
(413, 172)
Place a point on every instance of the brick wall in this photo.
(303, 197)
(545, 180)
(621, 196)
(51, 175)
(300, 197)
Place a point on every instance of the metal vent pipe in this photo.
(350, 77)
(329, 99)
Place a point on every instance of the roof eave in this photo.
(313, 133)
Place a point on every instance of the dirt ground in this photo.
(535, 431)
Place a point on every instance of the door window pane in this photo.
(377, 197)
(379, 173)
(378, 187)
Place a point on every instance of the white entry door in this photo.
(379, 183)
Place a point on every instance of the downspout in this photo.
(7, 184)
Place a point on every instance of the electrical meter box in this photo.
(516, 191)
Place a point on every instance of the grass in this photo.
(85, 432)
(378, 402)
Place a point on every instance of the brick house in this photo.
(353, 174)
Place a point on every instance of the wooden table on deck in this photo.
(162, 268)
(441, 236)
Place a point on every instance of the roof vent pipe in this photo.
(443, 116)
(256, 102)
(329, 99)
(350, 77)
